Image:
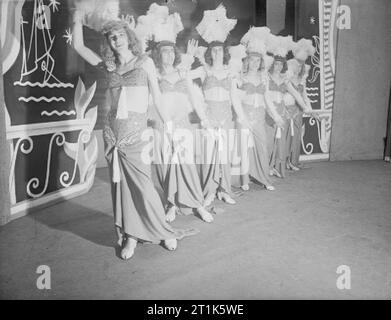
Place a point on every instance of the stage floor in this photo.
(283, 244)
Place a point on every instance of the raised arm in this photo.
(78, 42)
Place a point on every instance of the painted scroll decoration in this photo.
(320, 82)
(54, 155)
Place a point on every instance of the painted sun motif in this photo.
(68, 36)
(54, 4)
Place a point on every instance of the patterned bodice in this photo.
(219, 112)
(166, 86)
(254, 112)
(177, 106)
(212, 82)
(273, 86)
(251, 88)
(132, 78)
(118, 132)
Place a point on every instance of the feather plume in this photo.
(303, 49)
(96, 13)
(215, 26)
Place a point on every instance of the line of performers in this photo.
(240, 88)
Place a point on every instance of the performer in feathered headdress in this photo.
(282, 94)
(175, 161)
(221, 93)
(302, 50)
(138, 211)
(297, 74)
(254, 81)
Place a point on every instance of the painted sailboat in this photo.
(37, 47)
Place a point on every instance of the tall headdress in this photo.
(279, 46)
(256, 39)
(95, 13)
(158, 25)
(215, 26)
(303, 49)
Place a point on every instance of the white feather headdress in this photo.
(169, 29)
(280, 46)
(158, 25)
(96, 13)
(303, 49)
(215, 26)
(256, 39)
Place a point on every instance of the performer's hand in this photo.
(129, 20)
(312, 114)
(192, 46)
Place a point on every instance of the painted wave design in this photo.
(43, 85)
(57, 99)
(57, 113)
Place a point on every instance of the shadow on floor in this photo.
(84, 222)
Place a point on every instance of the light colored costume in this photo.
(138, 210)
(182, 182)
(216, 167)
(293, 134)
(301, 51)
(254, 153)
(279, 96)
(257, 153)
(216, 152)
(176, 171)
(279, 152)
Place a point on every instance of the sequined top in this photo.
(212, 82)
(255, 112)
(273, 86)
(176, 102)
(132, 78)
(120, 132)
(251, 88)
(166, 86)
(219, 113)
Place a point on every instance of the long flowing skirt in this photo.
(217, 149)
(293, 137)
(279, 152)
(138, 210)
(162, 152)
(254, 151)
(182, 182)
